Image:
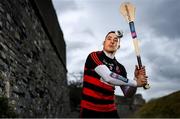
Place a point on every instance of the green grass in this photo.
(164, 107)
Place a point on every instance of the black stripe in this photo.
(86, 113)
(98, 89)
(96, 101)
(91, 73)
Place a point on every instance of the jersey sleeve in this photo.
(113, 78)
(123, 70)
(92, 61)
(128, 91)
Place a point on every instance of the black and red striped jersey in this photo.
(98, 95)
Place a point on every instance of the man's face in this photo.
(111, 43)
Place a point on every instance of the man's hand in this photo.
(140, 74)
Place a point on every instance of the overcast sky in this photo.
(85, 23)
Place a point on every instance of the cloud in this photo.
(161, 57)
(163, 54)
(160, 85)
(162, 16)
(64, 5)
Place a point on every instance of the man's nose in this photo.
(112, 41)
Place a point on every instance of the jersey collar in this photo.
(111, 56)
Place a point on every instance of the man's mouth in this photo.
(111, 46)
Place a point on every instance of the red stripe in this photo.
(97, 95)
(85, 69)
(95, 55)
(97, 82)
(98, 107)
(96, 59)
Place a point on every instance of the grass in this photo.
(164, 107)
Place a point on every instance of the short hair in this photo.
(118, 33)
(109, 33)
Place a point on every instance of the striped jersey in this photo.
(98, 95)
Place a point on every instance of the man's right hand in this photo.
(141, 77)
(141, 80)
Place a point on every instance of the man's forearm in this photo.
(113, 78)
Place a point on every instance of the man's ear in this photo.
(103, 42)
(118, 46)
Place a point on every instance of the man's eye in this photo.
(116, 40)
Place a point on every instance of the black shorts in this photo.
(85, 113)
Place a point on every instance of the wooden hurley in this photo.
(128, 12)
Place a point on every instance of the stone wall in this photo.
(32, 60)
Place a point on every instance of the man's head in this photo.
(112, 42)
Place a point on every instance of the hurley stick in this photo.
(128, 11)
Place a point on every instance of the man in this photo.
(101, 73)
